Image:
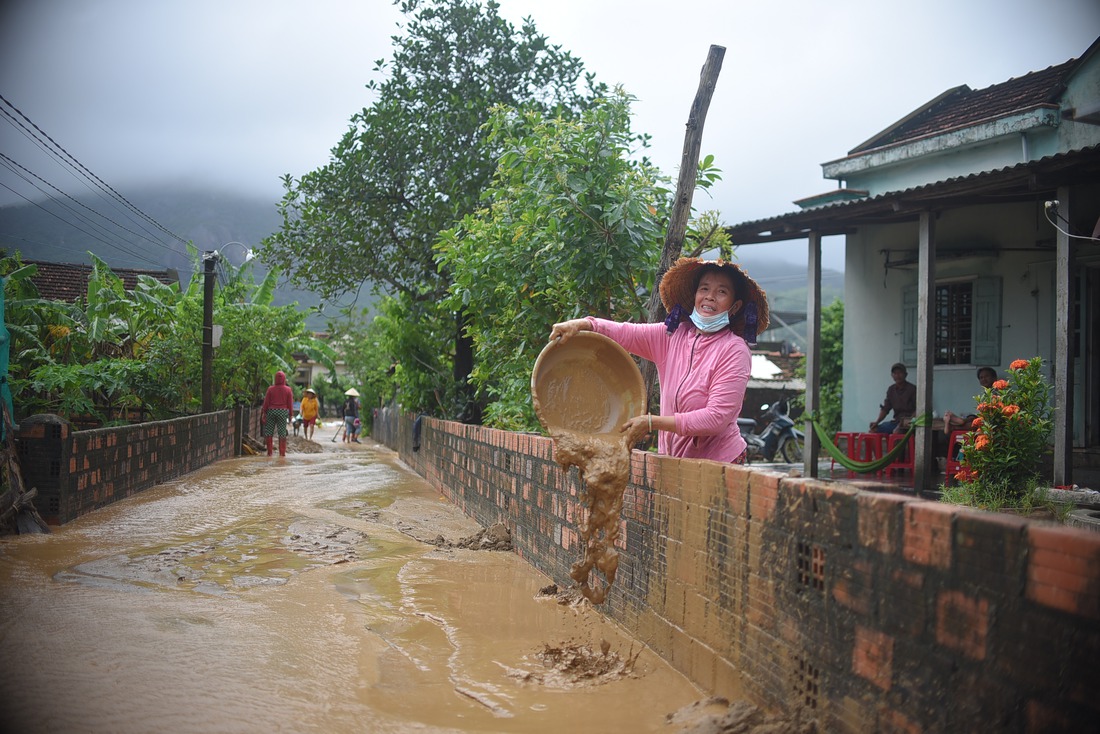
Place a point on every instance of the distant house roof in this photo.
(962, 106)
(69, 281)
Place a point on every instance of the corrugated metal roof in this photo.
(1025, 181)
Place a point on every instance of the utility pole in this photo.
(210, 259)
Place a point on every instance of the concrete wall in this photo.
(76, 472)
(871, 612)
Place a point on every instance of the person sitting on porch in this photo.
(901, 398)
(954, 422)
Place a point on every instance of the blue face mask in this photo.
(710, 324)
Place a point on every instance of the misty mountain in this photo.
(67, 231)
(211, 219)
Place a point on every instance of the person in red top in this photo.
(276, 411)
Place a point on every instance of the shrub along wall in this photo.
(868, 611)
(79, 471)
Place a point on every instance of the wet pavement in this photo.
(303, 594)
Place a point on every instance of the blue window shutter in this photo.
(909, 325)
(986, 326)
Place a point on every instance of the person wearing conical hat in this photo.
(702, 353)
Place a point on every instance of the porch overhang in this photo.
(1052, 179)
(1032, 181)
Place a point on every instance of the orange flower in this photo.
(1000, 384)
(981, 442)
(965, 474)
(1011, 409)
(977, 423)
(982, 406)
(1018, 364)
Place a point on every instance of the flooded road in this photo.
(299, 594)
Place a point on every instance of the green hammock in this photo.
(866, 467)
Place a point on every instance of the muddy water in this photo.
(296, 595)
(603, 460)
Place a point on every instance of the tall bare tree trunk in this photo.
(685, 189)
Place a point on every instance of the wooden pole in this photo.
(685, 189)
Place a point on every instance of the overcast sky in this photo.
(235, 93)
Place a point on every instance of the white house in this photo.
(970, 232)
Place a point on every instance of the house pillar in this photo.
(813, 353)
(1063, 343)
(924, 469)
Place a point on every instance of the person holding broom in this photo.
(276, 411)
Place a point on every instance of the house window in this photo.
(954, 323)
(966, 327)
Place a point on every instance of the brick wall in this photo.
(871, 612)
(79, 471)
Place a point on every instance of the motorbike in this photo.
(773, 434)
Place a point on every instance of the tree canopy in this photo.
(414, 163)
(418, 158)
(572, 226)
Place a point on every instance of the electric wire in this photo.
(11, 165)
(149, 236)
(100, 183)
(80, 177)
(78, 228)
(1046, 213)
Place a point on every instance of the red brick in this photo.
(1064, 569)
(873, 657)
(962, 623)
(927, 535)
(763, 495)
(879, 521)
(852, 587)
(737, 489)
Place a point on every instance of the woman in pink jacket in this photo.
(701, 353)
(276, 411)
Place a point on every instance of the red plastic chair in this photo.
(870, 446)
(849, 447)
(954, 448)
(905, 462)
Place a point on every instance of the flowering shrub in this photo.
(1003, 454)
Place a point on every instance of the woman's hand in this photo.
(565, 330)
(641, 423)
(638, 427)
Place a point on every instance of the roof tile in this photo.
(69, 281)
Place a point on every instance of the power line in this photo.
(100, 183)
(78, 228)
(11, 165)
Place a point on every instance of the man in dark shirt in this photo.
(901, 398)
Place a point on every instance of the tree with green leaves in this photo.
(573, 225)
(417, 160)
(831, 368)
(118, 350)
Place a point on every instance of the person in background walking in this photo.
(276, 411)
(310, 410)
(351, 416)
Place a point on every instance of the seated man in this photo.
(953, 422)
(901, 398)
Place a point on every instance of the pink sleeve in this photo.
(725, 398)
(648, 341)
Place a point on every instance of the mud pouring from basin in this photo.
(584, 390)
(588, 384)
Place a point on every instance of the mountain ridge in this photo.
(212, 219)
